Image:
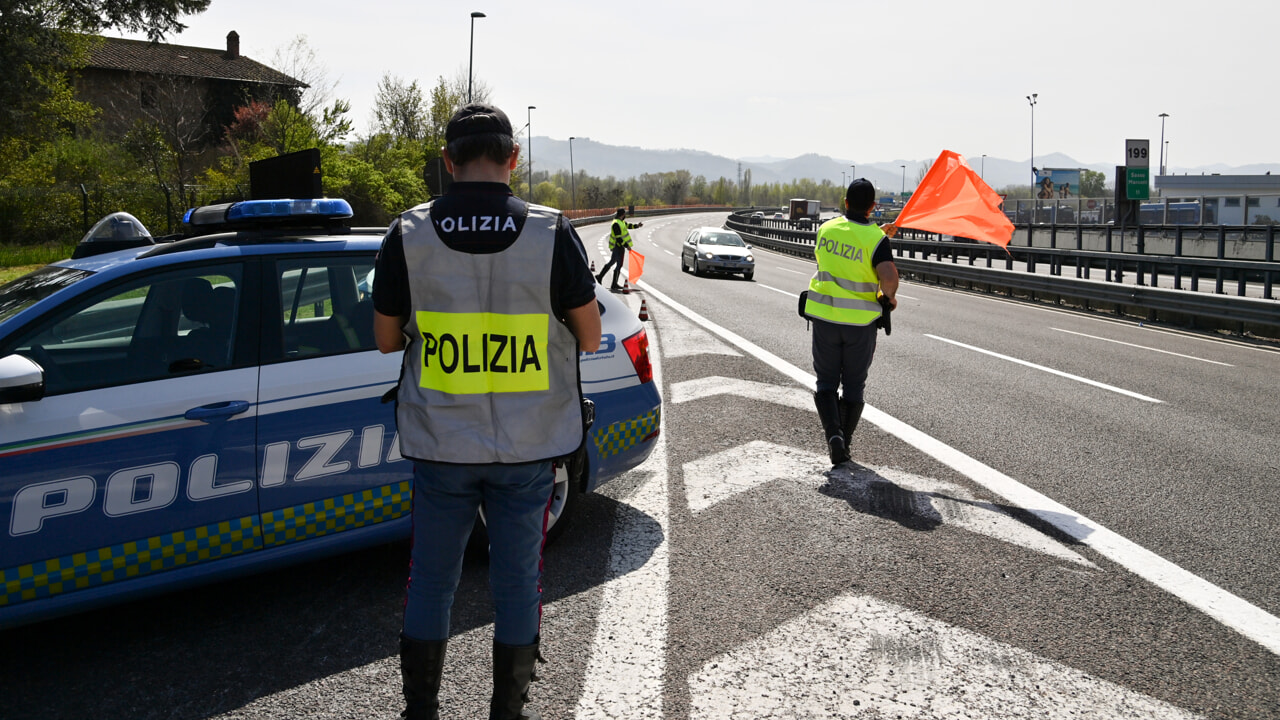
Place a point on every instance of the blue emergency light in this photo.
(335, 208)
(269, 211)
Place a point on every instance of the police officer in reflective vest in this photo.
(619, 243)
(491, 300)
(855, 265)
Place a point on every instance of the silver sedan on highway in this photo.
(711, 249)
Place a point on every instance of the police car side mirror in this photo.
(21, 379)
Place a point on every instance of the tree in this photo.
(675, 187)
(1093, 184)
(42, 40)
(399, 110)
(480, 90)
(328, 117)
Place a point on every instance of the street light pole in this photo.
(1032, 100)
(471, 61)
(1162, 154)
(573, 187)
(529, 152)
(904, 182)
(982, 174)
(853, 173)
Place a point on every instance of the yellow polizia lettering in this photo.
(470, 353)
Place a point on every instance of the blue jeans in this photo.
(446, 499)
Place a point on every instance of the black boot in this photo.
(828, 405)
(512, 672)
(421, 663)
(850, 413)
(600, 277)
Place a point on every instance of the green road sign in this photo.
(1137, 183)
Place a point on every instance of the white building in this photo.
(1225, 199)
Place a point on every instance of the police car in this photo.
(180, 411)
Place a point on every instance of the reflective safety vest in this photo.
(489, 375)
(620, 236)
(843, 290)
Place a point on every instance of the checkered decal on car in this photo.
(211, 542)
(331, 515)
(128, 560)
(622, 436)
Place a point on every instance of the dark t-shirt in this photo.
(453, 215)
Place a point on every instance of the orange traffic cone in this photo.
(644, 310)
(626, 287)
(593, 267)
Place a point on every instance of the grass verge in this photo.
(18, 260)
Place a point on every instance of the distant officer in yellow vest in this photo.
(491, 300)
(619, 243)
(855, 265)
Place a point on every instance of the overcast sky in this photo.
(863, 81)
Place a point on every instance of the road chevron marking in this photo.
(1232, 611)
(715, 478)
(858, 657)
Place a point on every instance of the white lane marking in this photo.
(798, 272)
(792, 397)
(906, 297)
(1234, 612)
(667, 251)
(857, 657)
(777, 290)
(628, 654)
(1141, 347)
(710, 480)
(718, 477)
(1132, 325)
(1049, 370)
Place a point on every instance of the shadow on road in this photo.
(209, 650)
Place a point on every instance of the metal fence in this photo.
(63, 214)
(1220, 290)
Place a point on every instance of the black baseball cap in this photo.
(861, 194)
(477, 119)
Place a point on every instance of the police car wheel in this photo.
(564, 500)
(697, 269)
(748, 274)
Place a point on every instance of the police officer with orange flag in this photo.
(491, 300)
(619, 243)
(855, 267)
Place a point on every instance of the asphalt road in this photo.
(1050, 514)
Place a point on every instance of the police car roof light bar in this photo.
(250, 211)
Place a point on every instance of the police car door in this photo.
(328, 456)
(139, 458)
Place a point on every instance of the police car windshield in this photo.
(30, 289)
(722, 239)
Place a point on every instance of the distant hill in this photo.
(621, 162)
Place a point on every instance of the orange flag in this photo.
(635, 266)
(953, 200)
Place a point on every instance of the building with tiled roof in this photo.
(189, 90)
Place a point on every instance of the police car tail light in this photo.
(638, 350)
